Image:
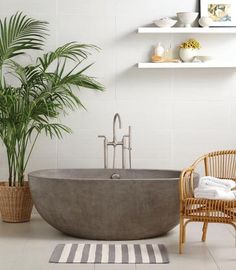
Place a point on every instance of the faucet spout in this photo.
(116, 116)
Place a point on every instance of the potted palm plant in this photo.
(32, 96)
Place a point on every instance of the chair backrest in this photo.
(221, 164)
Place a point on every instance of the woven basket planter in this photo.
(15, 203)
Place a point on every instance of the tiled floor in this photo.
(28, 246)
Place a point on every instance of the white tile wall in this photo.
(29, 7)
(176, 115)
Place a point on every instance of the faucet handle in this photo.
(128, 136)
(102, 136)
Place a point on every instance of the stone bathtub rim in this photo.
(35, 174)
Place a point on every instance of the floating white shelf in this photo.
(182, 30)
(187, 65)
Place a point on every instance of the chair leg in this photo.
(184, 233)
(204, 231)
(181, 234)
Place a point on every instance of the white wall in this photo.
(176, 115)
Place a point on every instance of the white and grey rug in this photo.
(110, 254)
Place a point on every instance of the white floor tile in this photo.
(29, 246)
(115, 267)
(175, 267)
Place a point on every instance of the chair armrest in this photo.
(186, 183)
(187, 179)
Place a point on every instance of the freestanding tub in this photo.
(89, 203)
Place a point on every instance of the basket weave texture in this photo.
(15, 203)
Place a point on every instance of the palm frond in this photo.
(20, 33)
(81, 80)
(71, 50)
(50, 129)
(27, 75)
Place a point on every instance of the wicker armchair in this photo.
(220, 164)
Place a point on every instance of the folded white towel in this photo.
(210, 181)
(214, 193)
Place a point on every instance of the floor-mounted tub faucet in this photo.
(125, 143)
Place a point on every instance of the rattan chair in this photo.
(220, 164)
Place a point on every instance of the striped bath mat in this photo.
(110, 254)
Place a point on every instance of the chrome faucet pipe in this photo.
(114, 157)
(123, 152)
(129, 148)
(116, 116)
(114, 142)
(105, 149)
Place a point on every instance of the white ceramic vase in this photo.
(188, 54)
(205, 21)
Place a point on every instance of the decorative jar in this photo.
(187, 54)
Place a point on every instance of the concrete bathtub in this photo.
(94, 204)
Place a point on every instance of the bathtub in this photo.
(107, 204)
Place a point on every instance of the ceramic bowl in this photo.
(165, 22)
(187, 18)
(205, 21)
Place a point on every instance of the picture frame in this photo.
(222, 12)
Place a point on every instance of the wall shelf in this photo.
(182, 30)
(186, 65)
(191, 30)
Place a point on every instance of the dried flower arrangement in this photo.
(191, 44)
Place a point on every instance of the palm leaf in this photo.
(72, 51)
(20, 33)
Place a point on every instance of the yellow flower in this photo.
(191, 43)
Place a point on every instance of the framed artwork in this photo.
(222, 12)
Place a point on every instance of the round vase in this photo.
(188, 54)
(205, 21)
